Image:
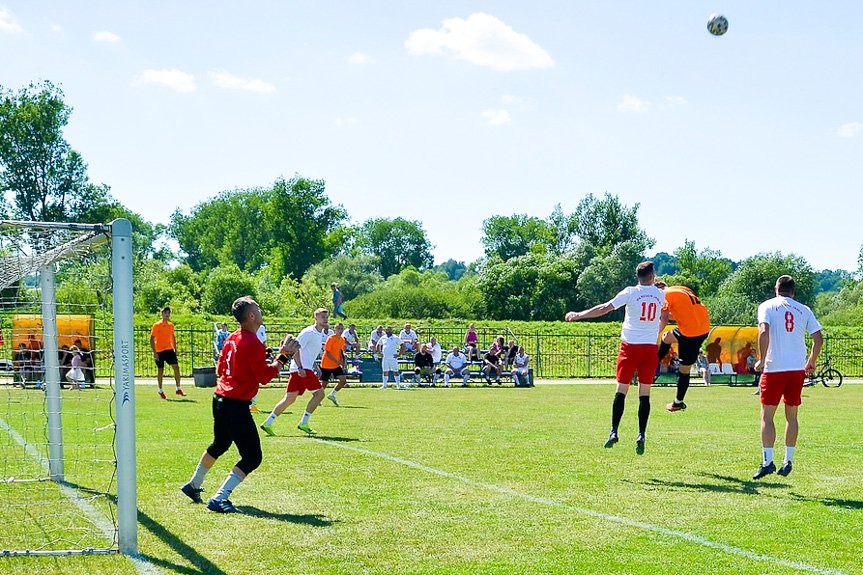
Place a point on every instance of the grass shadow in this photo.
(202, 564)
(312, 520)
(830, 501)
(337, 438)
(728, 485)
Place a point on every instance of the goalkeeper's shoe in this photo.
(307, 428)
(765, 470)
(193, 493)
(222, 506)
(612, 439)
(639, 444)
(268, 429)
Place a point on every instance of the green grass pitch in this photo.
(489, 480)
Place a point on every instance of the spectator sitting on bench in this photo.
(352, 340)
(519, 368)
(509, 353)
(456, 364)
(703, 368)
(410, 338)
(373, 341)
(435, 350)
(674, 364)
(492, 363)
(21, 362)
(471, 348)
(425, 366)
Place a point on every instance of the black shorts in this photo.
(233, 423)
(336, 372)
(168, 356)
(688, 347)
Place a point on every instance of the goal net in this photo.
(67, 477)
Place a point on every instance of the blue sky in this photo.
(450, 112)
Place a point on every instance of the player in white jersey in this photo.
(782, 326)
(391, 347)
(305, 374)
(638, 346)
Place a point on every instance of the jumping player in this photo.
(638, 349)
(304, 374)
(242, 365)
(693, 327)
(782, 326)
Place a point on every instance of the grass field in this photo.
(500, 481)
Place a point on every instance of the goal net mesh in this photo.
(57, 486)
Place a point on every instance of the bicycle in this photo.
(825, 375)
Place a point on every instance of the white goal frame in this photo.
(120, 232)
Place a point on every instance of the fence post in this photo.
(589, 342)
(192, 344)
(538, 355)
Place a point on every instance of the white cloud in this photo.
(632, 104)
(105, 36)
(849, 130)
(497, 117)
(176, 79)
(8, 23)
(510, 99)
(360, 58)
(227, 80)
(345, 121)
(483, 40)
(676, 99)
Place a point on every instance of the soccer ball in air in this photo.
(717, 24)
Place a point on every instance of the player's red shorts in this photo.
(638, 358)
(782, 384)
(298, 384)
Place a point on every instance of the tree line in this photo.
(286, 242)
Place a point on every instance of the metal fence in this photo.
(552, 355)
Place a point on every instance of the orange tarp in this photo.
(27, 327)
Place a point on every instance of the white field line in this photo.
(697, 539)
(96, 516)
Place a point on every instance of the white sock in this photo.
(271, 419)
(157, 391)
(178, 387)
(197, 479)
(768, 454)
(254, 401)
(227, 487)
(434, 378)
(398, 379)
(333, 393)
(446, 379)
(789, 453)
(305, 419)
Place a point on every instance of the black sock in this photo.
(663, 350)
(682, 385)
(617, 409)
(643, 412)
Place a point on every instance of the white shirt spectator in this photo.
(311, 341)
(410, 338)
(436, 351)
(373, 339)
(643, 306)
(789, 320)
(456, 362)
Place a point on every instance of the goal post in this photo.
(67, 457)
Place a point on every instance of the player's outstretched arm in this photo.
(595, 311)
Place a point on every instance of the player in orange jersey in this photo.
(693, 327)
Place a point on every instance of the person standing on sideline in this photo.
(638, 349)
(391, 347)
(242, 365)
(334, 362)
(164, 348)
(782, 326)
(693, 327)
(338, 300)
(221, 336)
(304, 374)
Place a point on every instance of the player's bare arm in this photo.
(817, 343)
(595, 311)
(763, 344)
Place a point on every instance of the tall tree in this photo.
(397, 243)
(702, 271)
(607, 222)
(512, 236)
(46, 178)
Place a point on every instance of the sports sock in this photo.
(385, 378)
(789, 453)
(434, 378)
(333, 393)
(398, 377)
(663, 350)
(617, 409)
(768, 454)
(682, 386)
(305, 419)
(227, 487)
(178, 387)
(271, 419)
(643, 412)
(157, 391)
(197, 479)
(446, 379)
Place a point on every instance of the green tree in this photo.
(45, 177)
(607, 222)
(702, 271)
(453, 269)
(286, 227)
(513, 236)
(355, 276)
(397, 244)
(223, 285)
